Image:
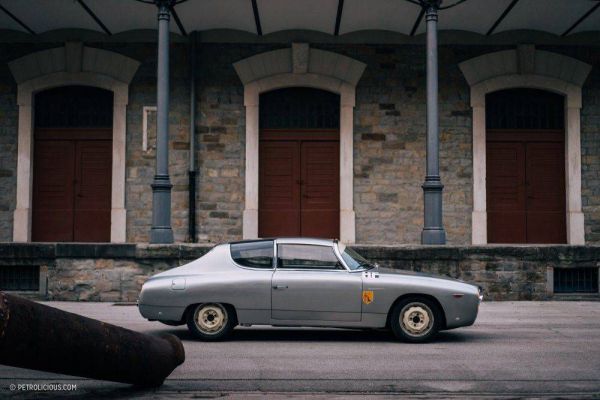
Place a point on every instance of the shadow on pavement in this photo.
(327, 335)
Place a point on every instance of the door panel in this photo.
(53, 185)
(299, 185)
(320, 200)
(526, 187)
(506, 193)
(279, 194)
(93, 168)
(546, 193)
(72, 187)
(316, 295)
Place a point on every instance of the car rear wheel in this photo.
(416, 320)
(210, 321)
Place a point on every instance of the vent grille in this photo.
(576, 280)
(21, 278)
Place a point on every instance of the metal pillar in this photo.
(433, 229)
(161, 231)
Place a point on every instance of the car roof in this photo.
(305, 240)
(295, 240)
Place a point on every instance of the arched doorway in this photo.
(72, 165)
(299, 161)
(525, 170)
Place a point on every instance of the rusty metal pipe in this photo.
(44, 338)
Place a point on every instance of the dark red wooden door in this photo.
(299, 185)
(72, 186)
(320, 201)
(279, 189)
(53, 200)
(507, 210)
(93, 169)
(526, 187)
(546, 219)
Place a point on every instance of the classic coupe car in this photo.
(304, 282)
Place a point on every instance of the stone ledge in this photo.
(116, 272)
(400, 252)
(101, 250)
(525, 252)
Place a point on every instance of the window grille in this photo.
(74, 107)
(299, 108)
(575, 280)
(20, 278)
(524, 109)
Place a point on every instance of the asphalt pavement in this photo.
(515, 349)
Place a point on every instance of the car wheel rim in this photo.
(211, 318)
(416, 319)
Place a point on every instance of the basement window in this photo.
(20, 278)
(576, 280)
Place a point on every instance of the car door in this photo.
(310, 284)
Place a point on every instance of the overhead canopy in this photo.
(335, 17)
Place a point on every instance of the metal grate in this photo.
(575, 280)
(74, 107)
(299, 108)
(524, 109)
(17, 277)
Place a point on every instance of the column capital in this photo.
(164, 3)
(431, 8)
(164, 7)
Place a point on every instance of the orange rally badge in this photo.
(367, 296)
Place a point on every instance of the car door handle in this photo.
(279, 287)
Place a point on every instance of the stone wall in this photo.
(389, 150)
(505, 272)
(590, 146)
(141, 164)
(221, 141)
(87, 272)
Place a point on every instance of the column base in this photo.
(433, 236)
(433, 229)
(161, 231)
(161, 235)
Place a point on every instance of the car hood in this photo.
(392, 273)
(383, 271)
(431, 280)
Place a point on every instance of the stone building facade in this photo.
(388, 136)
(291, 120)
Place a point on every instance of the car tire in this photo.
(211, 321)
(416, 320)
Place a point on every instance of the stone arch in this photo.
(526, 67)
(300, 66)
(72, 64)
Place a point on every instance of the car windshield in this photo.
(355, 261)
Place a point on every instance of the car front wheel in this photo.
(415, 320)
(210, 321)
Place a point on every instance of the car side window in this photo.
(303, 256)
(253, 254)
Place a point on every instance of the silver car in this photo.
(304, 282)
